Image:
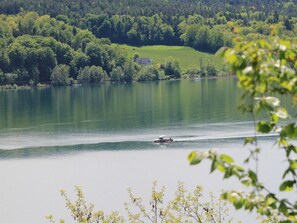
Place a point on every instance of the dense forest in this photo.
(232, 9)
(38, 37)
(38, 49)
(205, 25)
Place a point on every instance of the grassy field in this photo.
(187, 56)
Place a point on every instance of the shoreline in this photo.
(26, 87)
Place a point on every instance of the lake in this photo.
(101, 138)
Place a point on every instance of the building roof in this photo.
(143, 60)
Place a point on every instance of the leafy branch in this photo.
(185, 207)
(266, 70)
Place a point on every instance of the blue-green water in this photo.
(100, 137)
(108, 114)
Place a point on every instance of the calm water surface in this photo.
(100, 137)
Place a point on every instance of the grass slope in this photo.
(188, 57)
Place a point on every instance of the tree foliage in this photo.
(93, 74)
(185, 207)
(171, 68)
(149, 73)
(201, 24)
(60, 75)
(80, 34)
(32, 46)
(266, 69)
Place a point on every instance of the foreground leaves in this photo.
(266, 70)
(185, 207)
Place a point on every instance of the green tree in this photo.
(64, 53)
(288, 24)
(101, 55)
(117, 74)
(60, 75)
(133, 36)
(94, 51)
(171, 67)
(80, 60)
(4, 61)
(27, 24)
(202, 39)
(149, 73)
(46, 62)
(129, 71)
(81, 40)
(265, 69)
(93, 74)
(97, 74)
(63, 18)
(189, 36)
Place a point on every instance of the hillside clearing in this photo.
(188, 57)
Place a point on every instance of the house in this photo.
(143, 61)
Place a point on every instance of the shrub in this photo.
(93, 74)
(60, 75)
(149, 73)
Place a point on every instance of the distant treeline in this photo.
(246, 10)
(205, 25)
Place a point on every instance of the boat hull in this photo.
(163, 140)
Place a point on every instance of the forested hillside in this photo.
(205, 25)
(38, 49)
(232, 9)
(41, 40)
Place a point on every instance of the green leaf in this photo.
(247, 183)
(226, 158)
(293, 164)
(282, 141)
(264, 127)
(221, 168)
(270, 200)
(213, 165)
(274, 117)
(261, 87)
(231, 58)
(287, 171)
(293, 217)
(291, 148)
(194, 158)
(249, 140)
(228, 173)
(283, 207)
(221, 52)
(253, 176)
(290, 131)
(262, 43)
(238, 203)
(249, 205)
(224, 195)
(292, 84)
(287, 185)
(238, 168)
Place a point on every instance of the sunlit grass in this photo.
(188, 57)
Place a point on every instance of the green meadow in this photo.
(187, 57)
